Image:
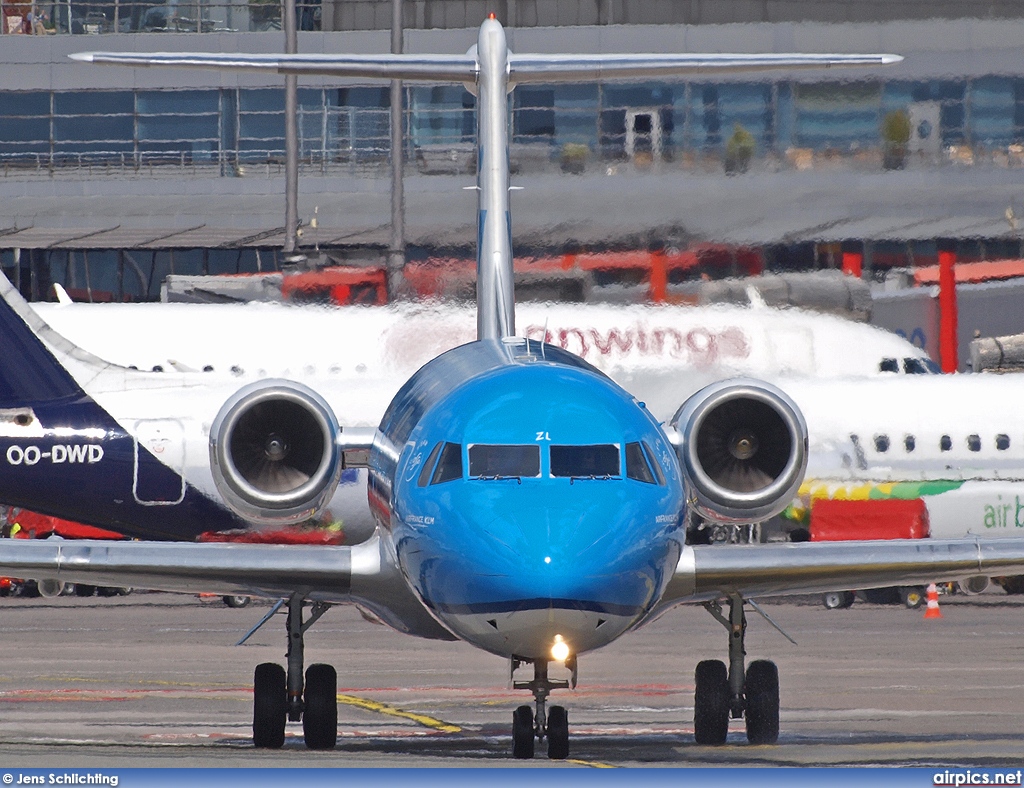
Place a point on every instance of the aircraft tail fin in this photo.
(35, 359)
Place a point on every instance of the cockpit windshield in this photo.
(585, 461)
(503, 461)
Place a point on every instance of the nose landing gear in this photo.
(279, 696)
(720, 694)
(551, 724)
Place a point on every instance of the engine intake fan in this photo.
(274, 454)
(743, 448)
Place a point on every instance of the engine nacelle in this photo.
(973, 585)
(742, 445)
(274, 453)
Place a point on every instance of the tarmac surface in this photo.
(155, 680)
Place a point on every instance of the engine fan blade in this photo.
(277, 477)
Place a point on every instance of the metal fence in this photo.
(173, 16)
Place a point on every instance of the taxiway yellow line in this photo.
(591, 764)
(384, 708)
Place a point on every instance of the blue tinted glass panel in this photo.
(311, 98)
(94, 102)
(261, 100)
(170, 127)
(138, 266)
(37, 103)
(25, 130)
(88, 129)
(364, 97)
(261, 126)
(644, 95)
(178, 102)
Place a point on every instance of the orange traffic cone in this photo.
(932, 611)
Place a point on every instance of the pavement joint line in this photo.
(384, 708)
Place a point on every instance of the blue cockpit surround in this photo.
(495, 544)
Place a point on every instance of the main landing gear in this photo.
(551, 724)
(280, 696)
(721, 694)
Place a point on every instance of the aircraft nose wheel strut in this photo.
(551, 724)
(751, 693)
(280, 695)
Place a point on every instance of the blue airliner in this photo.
(525, 503)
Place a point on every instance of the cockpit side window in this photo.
(889, 365)
(501, 461)
(449, 467)
(654, 464)
(595, 460)
(428, 466)
(637, 467)
(920, 366)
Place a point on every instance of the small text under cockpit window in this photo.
(637, 466)
(449, 467)
(595, 460)
(428, 466)
(502, 461)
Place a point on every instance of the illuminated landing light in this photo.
(547, 559)
(560, 649)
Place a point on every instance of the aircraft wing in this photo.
(710, 571)
(219, 568)
(524, 68)
(360, 574)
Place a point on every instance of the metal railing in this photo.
(173, 16)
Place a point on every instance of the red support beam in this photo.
(853, 262)
(947, 311)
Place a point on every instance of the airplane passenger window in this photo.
(882, 443)
(1002, 442)
(974, 442)
(428, 466)
(945, 443)
(636, 464)
(889, 365)
(497, 461)
(597, 460)
(909, 443)
(654, 464)
(449, 467)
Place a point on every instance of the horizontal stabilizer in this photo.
(463, 68)
(604, 68)
(707, 572)
(430, 68)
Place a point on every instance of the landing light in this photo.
(560, 649)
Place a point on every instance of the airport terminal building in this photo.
(121, 175)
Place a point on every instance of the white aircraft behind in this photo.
(688, 343)
(659, 353)
(524, 502)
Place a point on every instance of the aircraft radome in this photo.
(525, 502)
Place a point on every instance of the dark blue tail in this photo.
(29, 371)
